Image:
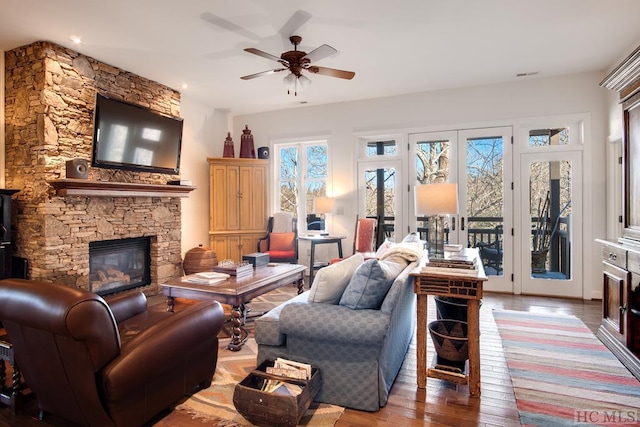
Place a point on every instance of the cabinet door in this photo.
(253, 204)
(219, 245)
(259, 198)
(614, 301)
(220, 188)
(234, 197)
(247, 245)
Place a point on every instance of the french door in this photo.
(479, 160)
(380, 181)
(551, 219)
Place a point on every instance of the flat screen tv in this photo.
(128, 136)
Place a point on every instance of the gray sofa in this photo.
(359, 352)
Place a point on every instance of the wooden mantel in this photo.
(84, 187)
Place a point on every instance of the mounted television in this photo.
(128, 136)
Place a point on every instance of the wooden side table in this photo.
(319, 240)
(458, 283)
(11, 396)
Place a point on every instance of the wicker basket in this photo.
(450, 339)
(199, 259)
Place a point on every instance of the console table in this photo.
(320, 240)
(458, 283)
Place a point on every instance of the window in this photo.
(548, 137)
(303, 172)
(381, 148)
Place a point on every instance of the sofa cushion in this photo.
(370, 283)
(268, 325)
(330, 282)
(282, 241)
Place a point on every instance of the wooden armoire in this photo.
(237, 205)
(620, 329)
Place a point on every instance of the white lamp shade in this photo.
(436, 199)
(290, 81)
(323, 205)
(295, 83)
(303, 82)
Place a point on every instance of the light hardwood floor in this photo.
(441, 404)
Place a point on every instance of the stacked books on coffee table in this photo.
(206, 278)
(235, 269)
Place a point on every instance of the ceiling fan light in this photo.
(290, 81)
(303, 82)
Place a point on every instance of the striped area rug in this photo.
(563, 375)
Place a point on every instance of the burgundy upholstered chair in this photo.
(364, 240)
(98, 363)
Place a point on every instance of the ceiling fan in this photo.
(297, 61)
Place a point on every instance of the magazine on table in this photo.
(288, 369)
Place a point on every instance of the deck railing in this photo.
(488, 232)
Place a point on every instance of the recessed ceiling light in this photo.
(75, 39)
(183, 85)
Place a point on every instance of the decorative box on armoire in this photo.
(5, 232)
(237, 206)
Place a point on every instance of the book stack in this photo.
(464, 263)
(206, 278)
(452, 263)
(238, 270)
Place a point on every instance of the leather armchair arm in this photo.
(144, 359)
(126, 304)
(328, 322)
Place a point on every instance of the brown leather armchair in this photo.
(99, 363)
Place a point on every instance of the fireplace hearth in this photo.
(120, 264)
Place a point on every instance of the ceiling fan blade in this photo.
(320, 52)
(228, 25)
(262, 53)
(291, 27)
(332, 72)
(265, 55)
(263, 73)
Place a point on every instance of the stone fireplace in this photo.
(49, 102)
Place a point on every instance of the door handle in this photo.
(462, 223)
(453, 223)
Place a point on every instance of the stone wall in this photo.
(49, 102)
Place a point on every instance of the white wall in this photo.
(203, 134)
(494, 105)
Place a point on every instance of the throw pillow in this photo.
(329, 283)
(281, 241)
(370, 284)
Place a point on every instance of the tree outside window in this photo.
(303, 173)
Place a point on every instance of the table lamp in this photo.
(323, 206)
(436, 200)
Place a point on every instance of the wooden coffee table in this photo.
(237, 291)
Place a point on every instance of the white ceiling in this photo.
(395, 47)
